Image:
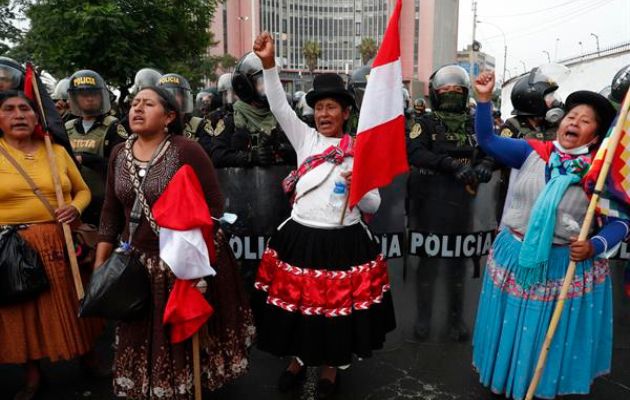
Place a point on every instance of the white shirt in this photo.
(312, 208)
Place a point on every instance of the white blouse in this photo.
(312, 208)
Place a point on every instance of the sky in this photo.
(534, 26)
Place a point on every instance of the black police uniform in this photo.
(447, 170)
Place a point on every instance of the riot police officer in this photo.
(207, 101)
(195, 128)
(419, 108)
(257, 139)
(448, 172)
(11, 74)
(60, 97)
(537, 111)
(221, 118)
(305, 112)
(356, 85)
(619, 86)
(92, 134)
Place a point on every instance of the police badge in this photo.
(416, 130)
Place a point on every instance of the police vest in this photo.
(459, 143)
(92, 142)
(192, 127)
(522, 130)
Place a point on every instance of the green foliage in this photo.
(312, 51)
(367, 49)
(118, 37)
(9, 32)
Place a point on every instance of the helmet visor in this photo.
(10, 78)
(89, 102)
(450, 75)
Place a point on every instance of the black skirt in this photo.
(322, 295)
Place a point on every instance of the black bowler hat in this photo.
(604, 110)
(329, 85)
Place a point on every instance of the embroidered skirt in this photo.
(148, 366)
(512, 323)
(322, 295)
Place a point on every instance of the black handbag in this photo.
(22, 275)
(120, 288)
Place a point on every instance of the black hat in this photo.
(605, 111)
(329, 85)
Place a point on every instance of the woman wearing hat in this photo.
(529, 258)
(322, 289)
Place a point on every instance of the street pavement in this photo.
(436, 369)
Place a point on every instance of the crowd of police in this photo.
(453, 189)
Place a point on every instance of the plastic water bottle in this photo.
(338, 196)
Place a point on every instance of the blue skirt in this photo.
(512, 323)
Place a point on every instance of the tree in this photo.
(367, 49)
(312, 51)
(118, 37)
(9, 32)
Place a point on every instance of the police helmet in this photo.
(445, 77)
(247, 80)
(146, 77)
(358, 82)
(88, 94)
(297, 96)
(208, 100)
(620, 84)
(11, 74)
(180, 88)
(61, 90)
(224, 86)
(302, 108)
(419, 105)
(530, 94)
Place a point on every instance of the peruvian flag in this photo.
(380, 153)
(187, 247)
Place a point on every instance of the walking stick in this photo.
(72, 255)
(568, 278)
(196, 365)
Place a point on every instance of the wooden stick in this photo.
(586, 226)
(196, 365)
(72, 255)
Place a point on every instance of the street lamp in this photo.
(504, 45)
(596, 40)
(581, 47)
(548, 56)
(524, 67)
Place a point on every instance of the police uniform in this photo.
(440, 203)
(520, 128)
(94, 147)
(200, 130)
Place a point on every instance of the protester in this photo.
(46, 327)
(527, 265)
(146, 364)
(322, 286)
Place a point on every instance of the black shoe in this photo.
(289, 380)
(326, 388)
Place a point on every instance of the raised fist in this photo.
(264, 49)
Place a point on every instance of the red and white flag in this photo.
(380, 153)
(187, 247)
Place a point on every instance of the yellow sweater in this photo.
(18, 203)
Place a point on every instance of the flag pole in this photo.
(196, 365)
(586, 226)
(72, 255)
